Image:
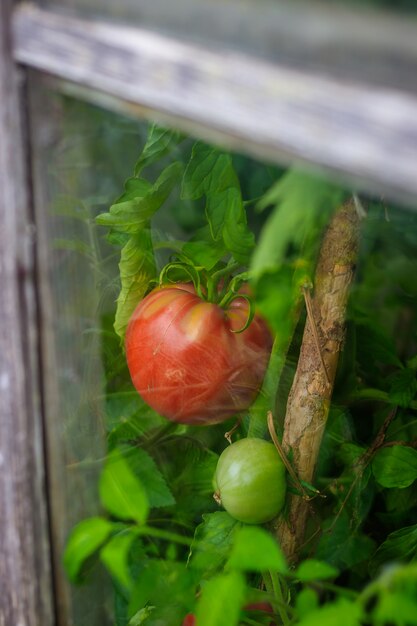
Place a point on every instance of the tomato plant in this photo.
(169, 549)
(250, 481)
(190, 360)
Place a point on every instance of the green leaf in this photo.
(137, 269)
(192, 490)
(341, 611)
(396, 609)
(239, 240)
(221, 600)
(350, 453)
(115, 557)
(160, 141)
(255, 550)
(85, 539)
(400, 545)
(403, 387)
(343, 546)
(395, 466)
(312, 569)
(134, 188)
(169, 587)
(213, 540)
(303, 204)
(141, 617)
(131, 216)
(121, 493)
(371, 339)
(146, 470)
(208, 171)
(129, 418)
(306, 602)
(211, 173)
(204, 253)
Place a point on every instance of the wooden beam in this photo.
(297, 108)
(25, 578)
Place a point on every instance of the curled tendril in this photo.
(189, 270)
(251, 311)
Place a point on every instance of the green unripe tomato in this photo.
(250, 480)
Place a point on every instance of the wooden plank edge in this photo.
(367, 135)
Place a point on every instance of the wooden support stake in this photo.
(309, 398)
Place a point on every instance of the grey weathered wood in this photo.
(356, 40)
(25, 581)
(71, 345)
(366, 133)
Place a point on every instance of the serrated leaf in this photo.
(192, 490)
(341, 611)
(121, 492)
(208, 171)
(238, 238)
(303, 205)
(211, 173)
(134, 188)
(395, 466)
(129, 417)
(85, 539)
(204, 253)
(212, 543)
(400, 545)
(145, 468)
(130, 216)
(312, 569)
(221, 600)
(137, 269)
(255, 550)
(115, 557)
(160, 141)
(403, 387)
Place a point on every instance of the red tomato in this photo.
(189, 620)
(185, 360)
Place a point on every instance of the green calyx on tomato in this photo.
(250, 480)
(196, 361)
(219, 287)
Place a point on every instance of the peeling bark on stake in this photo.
(309, 398)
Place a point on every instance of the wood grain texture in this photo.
(25, 582)
(285, 111)
(353, 40)
(310, 396)
(73, 378)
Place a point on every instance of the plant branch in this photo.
(310, 395)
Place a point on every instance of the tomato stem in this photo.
(281, 604)
(158, 533)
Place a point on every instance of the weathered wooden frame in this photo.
(324, 115)
(353, 113)
(25, 563)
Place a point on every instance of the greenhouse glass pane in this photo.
(188, 293)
